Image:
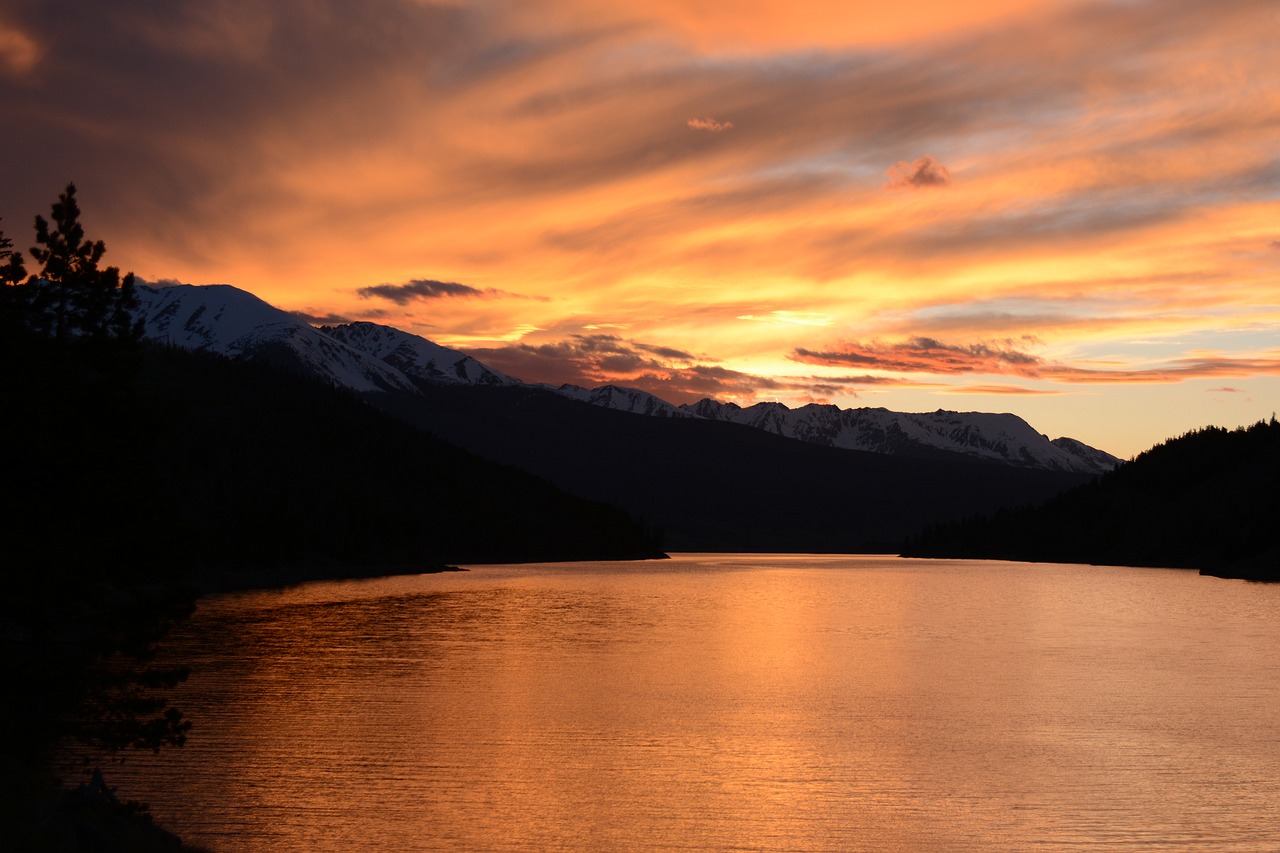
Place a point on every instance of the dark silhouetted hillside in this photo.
(159, 457)
(714, 486)
(1208, 500)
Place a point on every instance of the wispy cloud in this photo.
(926, 355)
(18, 51)
(710, 124)
(1001, 391)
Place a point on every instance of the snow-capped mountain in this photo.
(416, 357)
(222, 319)
(363, 357)
(624, 399)
(1099, 459)
(367, 357)
(997, 437)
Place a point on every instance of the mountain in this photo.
(996, 437)
(415, 357)
(1206, 500)
(714, 486)
(623, 400)
(225, 320)
(368, 357)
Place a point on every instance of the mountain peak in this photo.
(416, 357)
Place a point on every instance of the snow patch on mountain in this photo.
(624, 399)
(1003, 438)
(1102, 460)
(416, 357)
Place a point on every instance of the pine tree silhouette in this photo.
(70, 295)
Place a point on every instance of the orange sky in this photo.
(1065, 210)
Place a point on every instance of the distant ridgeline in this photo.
(1208, 500)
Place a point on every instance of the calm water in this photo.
(732, 703)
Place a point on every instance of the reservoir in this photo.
(730, 703)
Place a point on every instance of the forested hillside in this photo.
(154, 457)
(1207, 500)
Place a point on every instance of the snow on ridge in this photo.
(1000, 437)
(222, 319)
(623, 399)
(209, 317)
(416, 356)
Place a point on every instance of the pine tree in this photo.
(12, 270)
(12, 295)
(70, 295)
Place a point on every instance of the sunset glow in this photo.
(1067, 210)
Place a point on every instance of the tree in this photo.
(70, 295)
(12, 273)
(12, 270)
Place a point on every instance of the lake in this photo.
(731, 703)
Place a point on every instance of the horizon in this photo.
(1062, 210)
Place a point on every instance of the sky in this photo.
(1065, 210)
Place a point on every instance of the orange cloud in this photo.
(926, 355)
(710, 124)
(19, 53)
(1001, 391)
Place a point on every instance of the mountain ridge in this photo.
(372, 358)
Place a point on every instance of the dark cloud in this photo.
(420, 288)
(166, 107)
(926, 355)
(581, 359)
(669, 353)
(924, 172)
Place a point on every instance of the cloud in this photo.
(791, 318)
(710, 124)
(924, 172)
(581, 359)
(1000, 390)
(420, 288)
(926, 355)
(591, 360)
(18, 52)
(321, 319)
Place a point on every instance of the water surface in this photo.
(731, 703)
